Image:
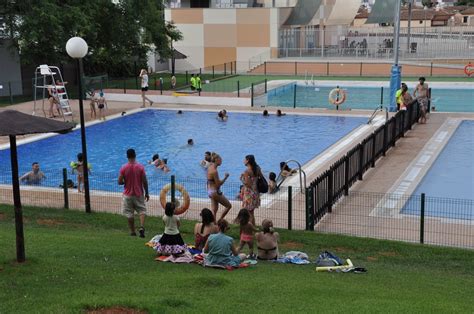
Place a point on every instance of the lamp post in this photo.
(425, 8)
(395, 79)
(76, 48)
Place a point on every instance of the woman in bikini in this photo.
(213, 187)
(203, 229)
(267, 241)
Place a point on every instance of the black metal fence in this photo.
(334, 183)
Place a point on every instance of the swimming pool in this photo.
(271, 139)
(452, 175)
(444, 99)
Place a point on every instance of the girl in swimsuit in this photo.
(213, 187)
(247, 230)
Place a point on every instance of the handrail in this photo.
(379, 108)
(300, 169)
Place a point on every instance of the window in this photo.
(465, 19)
(421, 22)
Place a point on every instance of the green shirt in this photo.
(193, 81)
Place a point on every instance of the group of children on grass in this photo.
(171, 242)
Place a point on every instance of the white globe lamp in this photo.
(76, 47)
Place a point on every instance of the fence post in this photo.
(410, 116)
(309, 208)
(327, 68)
(238, 88)
(186, 77)
(373, 150)
(290, 207)
(394, 132)
(361, 160)
(225, 69)
(124, 86)
(265, 68)
(330, 189)
(294, 96)
(265, 86)
(65, 189)
(10, 92)
(431, 69)
(381, 96)
(213, 72)
(402, 123)
(161, 86)
(231, 66)
(235, 67)
(296, 67)
(422, 218)
(429, 101)
(346, 175)
(251, 96)
(360, 71)
(385, 127)
(173, 189)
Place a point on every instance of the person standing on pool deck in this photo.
(133, 177)
(251, 196)
(144, 85)
(214, 187)
(198, 83)
(193, 82)
(421, 94)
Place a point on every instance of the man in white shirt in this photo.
(144, 85)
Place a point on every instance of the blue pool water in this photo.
(270, 139)
(452, 176)
(445, 100)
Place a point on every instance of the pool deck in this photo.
(356, 214)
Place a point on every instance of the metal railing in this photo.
(335, 182)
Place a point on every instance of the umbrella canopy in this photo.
(15, 123)
(178, 55)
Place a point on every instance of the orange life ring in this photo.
(469, 69)
(183, 207)
(337, 96)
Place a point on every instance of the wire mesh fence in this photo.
(410, 218)
(286, 207)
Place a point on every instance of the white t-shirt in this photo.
(144, 80)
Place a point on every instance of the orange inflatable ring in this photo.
(183, 207)
(469, 69)
(337, 96)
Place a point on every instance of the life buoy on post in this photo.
(469, 69)
(186, 199)
(337, 96)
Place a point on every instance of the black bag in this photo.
(262, 184)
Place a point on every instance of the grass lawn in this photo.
(77, 261)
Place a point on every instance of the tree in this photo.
(465, 2)
(117, 32)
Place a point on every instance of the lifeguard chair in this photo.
(47, 76)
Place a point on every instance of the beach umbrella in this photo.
(13, 123)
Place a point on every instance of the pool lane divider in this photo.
(406, 184)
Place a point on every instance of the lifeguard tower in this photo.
(50, 78)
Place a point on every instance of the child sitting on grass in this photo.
(171, 242)
(247, 230)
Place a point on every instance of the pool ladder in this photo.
(300, 171)
(379, 108)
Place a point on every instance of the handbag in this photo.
(262, 184)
